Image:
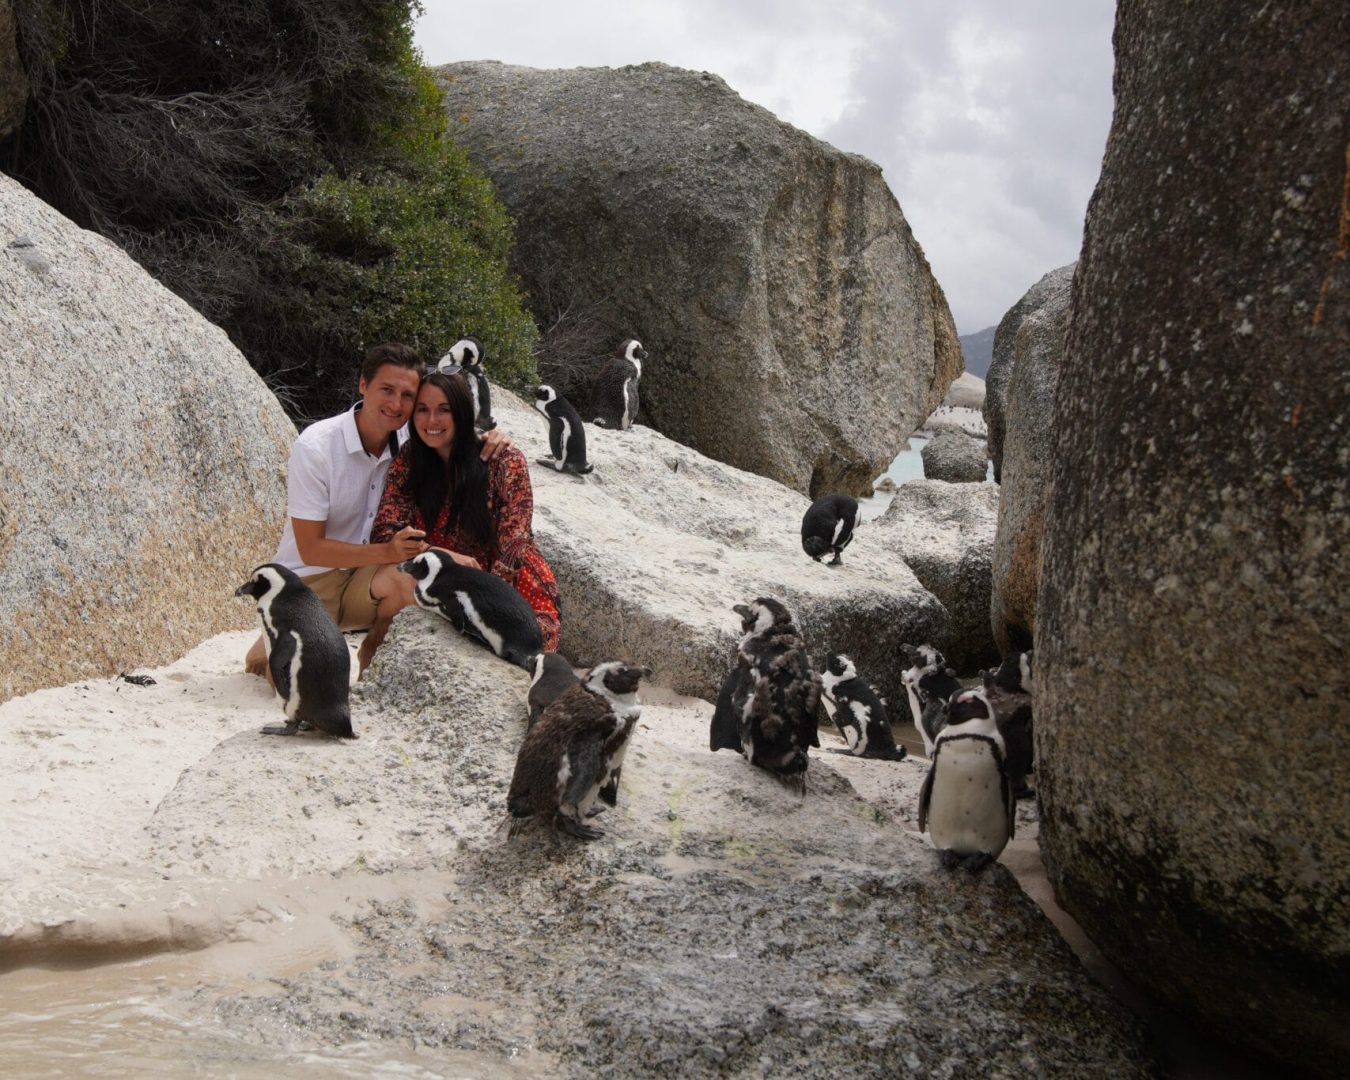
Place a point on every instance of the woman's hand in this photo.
(406, 543)
(463, 560)
(494, 442)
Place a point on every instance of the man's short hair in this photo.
(391, 352)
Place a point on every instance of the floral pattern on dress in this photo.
(514, 557)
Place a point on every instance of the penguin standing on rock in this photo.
(466, 356)
(478, 604)
(966, 804)
(857, 711)
(573, 755)
(930, 683)
(566, 436)
(1009, 689)
(614, 397)
(551, 676)
(767, 705)
(828, 526)
(306, 653)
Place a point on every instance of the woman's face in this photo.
(431, 418)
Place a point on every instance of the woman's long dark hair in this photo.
(464, 481)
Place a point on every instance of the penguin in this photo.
(306, 653)
(614, 396)
(966, 802)
(573, 755)
(478, 604)
(551, 676)
(828, 526)
(466, 355)
(767, 706)
(1009, 690)
(929, 682)
(566, 436)
(857, 711)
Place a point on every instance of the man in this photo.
(333, 487)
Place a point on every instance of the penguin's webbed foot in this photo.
(973, 864)
(950, 859)
(596, 810)
(837, 560)
(280, 729)
(576, 828)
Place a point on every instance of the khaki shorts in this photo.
(346, 595)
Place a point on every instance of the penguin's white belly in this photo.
(966, 811)
(916, 711)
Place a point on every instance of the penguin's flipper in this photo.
(725, 731)
(609, 793)
(279, 660)
(583, 759)
(926, 795)
(933, 720)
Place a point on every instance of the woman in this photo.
(478, 511)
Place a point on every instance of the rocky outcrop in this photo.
(794, 327)
(13, 81)
(1194, 606)
(143, 459)
(1056, 283)
(954, 456)
(656, 545)
(966, 392)
(1027, 461)
(945, 533)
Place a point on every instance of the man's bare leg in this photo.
(255, 660)
(392, 591)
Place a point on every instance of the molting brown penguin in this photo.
(306, 653)
(573, 755)
(1009, 689)
(767, 706)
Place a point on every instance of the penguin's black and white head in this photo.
(969, 705)
(266, 582)
(614, 678)
(815, 546)
(840, 668)
(1013, 675)
(544, 396)
(632, 351)
(423, 568)
(764, 613)
(919, 659)
(466, 352)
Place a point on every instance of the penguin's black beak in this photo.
(246, 589)
(743, 610)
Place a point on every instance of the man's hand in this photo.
(406, 543)
(494, 442)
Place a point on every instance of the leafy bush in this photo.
(279, 164)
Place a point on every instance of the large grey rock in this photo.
(955, 456)
(1027, 461)
(13, 81)
(794, 326)
(1194, 609)
(1005, 354)
(656, 545)
(143, 459)
(966, 392)
(945, 533)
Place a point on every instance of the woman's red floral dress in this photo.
(514, 557)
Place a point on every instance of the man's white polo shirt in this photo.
(332, 479)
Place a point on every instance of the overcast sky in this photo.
(988, 117)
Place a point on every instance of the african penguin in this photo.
(966, 803)
(306, 653)
(550, 677)
(466, 355)
(614, 396)
(1009, 690)
(857, 711)
(478, 604)
(828, 526)
(566, 435)
(766, 708)
(929, 682)
(573, 755)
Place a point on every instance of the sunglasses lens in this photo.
(448, 369)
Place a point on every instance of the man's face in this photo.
(389, 395)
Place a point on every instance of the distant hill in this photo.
(978, 349)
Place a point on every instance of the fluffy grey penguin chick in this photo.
(767, 706)
(575, 751)
(551, 676)
(857, 711)
(929, 684)
(466, 355)
(566, 434)
(478, 604)
(966, 804)
(828, 526)
(614, 395)
(1009, 688)
(306, 653)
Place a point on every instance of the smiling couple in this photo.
(366, 491)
